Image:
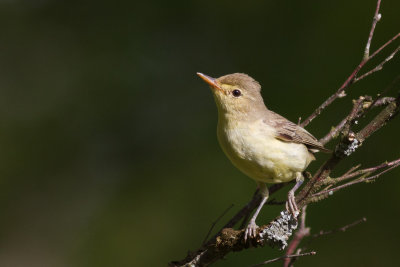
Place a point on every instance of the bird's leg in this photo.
(291, 205)
(252, 226)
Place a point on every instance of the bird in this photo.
(262, 144)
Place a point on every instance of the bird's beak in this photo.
(211, 81)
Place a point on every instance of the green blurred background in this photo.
(108, 149)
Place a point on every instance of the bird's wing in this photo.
(289, 132)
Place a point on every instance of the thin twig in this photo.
(388, 113)
(247, 209)
(371, 170)
(330, 191)
(341, 229)
(366, 105)
(239, 215)
(379, 174)
(378, 67)
(338, 94)
(375, 20)
(382, 100)
(345, 148)
(351, 79)
(285, 257)
(298, 237)
(384, 45)
(334, 132)
(215, 222)
(385, 100)
(354, 113)
(352, 169)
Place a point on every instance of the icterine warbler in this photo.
(262, 144)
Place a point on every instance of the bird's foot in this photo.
(251, 230)
(291, 205)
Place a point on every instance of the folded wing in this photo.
(289, 132)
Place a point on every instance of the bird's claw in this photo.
(251, 230)
(291, 205)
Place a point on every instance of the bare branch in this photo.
(330, 191)
(355, 111)
(248, 208)
(286, 257)
(384, 45)
(346, 146)
(215, 222)
(275, 234)
(353, 76)
(334, 132)
(371, 170)
(298, 237)
(338, 94)
(378, 67)
(341, 229)
(380, 120)
(375, 20)
(352, 169)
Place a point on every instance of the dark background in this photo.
(108, 149)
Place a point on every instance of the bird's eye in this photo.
(236, 93)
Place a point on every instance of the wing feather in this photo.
(289, 132)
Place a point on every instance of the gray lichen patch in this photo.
(352, 147)
(347, 147)
(280, 230)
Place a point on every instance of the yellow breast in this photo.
(253, 149)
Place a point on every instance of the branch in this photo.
(298, 237)
(375, 20)
(380, 120)
(248, 208)
(345, 123)
(353, 76)
(286, 257)
(371, 170)
(341, 229)
(384, 45)
(227, 239)
(274, 234)
(355, 111)
(349, 143)
(215, 222)
(330, 191)
(378, 67)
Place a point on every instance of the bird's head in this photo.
(236, 93)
